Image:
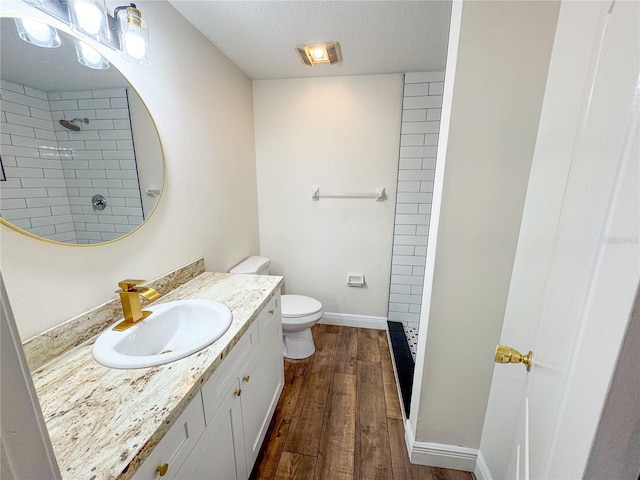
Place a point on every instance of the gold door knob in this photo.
(511, 355)
(271, 312)
(162, 469)
(246, 378)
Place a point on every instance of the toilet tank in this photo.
(253, 266)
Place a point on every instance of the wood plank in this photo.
(357, 451)
(293, 466)
(336, 453)
(368, 348)
(267, 462)
(306, 426)
(346, 351)
(324, 328)
(447, 474)
(375, 459)
(401, 467)
(388, 378)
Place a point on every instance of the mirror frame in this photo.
(15, 228)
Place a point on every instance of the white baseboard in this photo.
(438, 454)
(482, 470)
(350, 320)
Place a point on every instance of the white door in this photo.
(577, 264)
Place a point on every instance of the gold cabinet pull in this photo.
(272, 311)
(511, 355)
(238, 392)
(162, 469)
(246, 378)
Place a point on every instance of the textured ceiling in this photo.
(376, 37)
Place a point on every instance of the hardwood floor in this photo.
(339, 416)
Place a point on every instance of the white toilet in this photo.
(299, 313)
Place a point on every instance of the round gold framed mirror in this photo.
(81, 162)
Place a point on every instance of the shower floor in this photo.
(412, 339)
(404, 362)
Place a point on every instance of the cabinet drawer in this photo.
(176, 445)
(268, 314)
(214, 390)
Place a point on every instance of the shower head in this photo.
(71, 124)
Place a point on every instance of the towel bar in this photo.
(378, 195)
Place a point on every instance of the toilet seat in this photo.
(299, 306)
(303, 320)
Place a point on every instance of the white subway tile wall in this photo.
(52, 173)
(421, 109)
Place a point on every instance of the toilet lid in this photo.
(299, 305)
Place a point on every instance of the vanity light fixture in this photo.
(134, 34)
(124, 30)
(320, 53)
(89, 57)
(37, 33)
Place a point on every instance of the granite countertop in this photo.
(104, 422)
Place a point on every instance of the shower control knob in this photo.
(99, 202)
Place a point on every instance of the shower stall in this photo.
(421, 109)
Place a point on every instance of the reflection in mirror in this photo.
(71, 134)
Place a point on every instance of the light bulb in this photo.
(134, 43)
(89, 17)
(90, 57)
(317, 53)
(89, 54)
(37, 33)
(86, 16)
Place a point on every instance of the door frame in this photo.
(24, 440)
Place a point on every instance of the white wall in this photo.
(503, 57)
(340, 134)
(202, 105)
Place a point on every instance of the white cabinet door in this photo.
(219, 455)
(175, 446)
(261, 387)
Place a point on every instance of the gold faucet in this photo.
(130, 298)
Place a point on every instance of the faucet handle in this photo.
(129, 285)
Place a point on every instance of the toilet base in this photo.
(298, 345)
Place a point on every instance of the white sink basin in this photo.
(173, 331)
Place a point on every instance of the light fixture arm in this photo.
(116, 11)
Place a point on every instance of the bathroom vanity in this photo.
(205, 413)
(220, 433)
